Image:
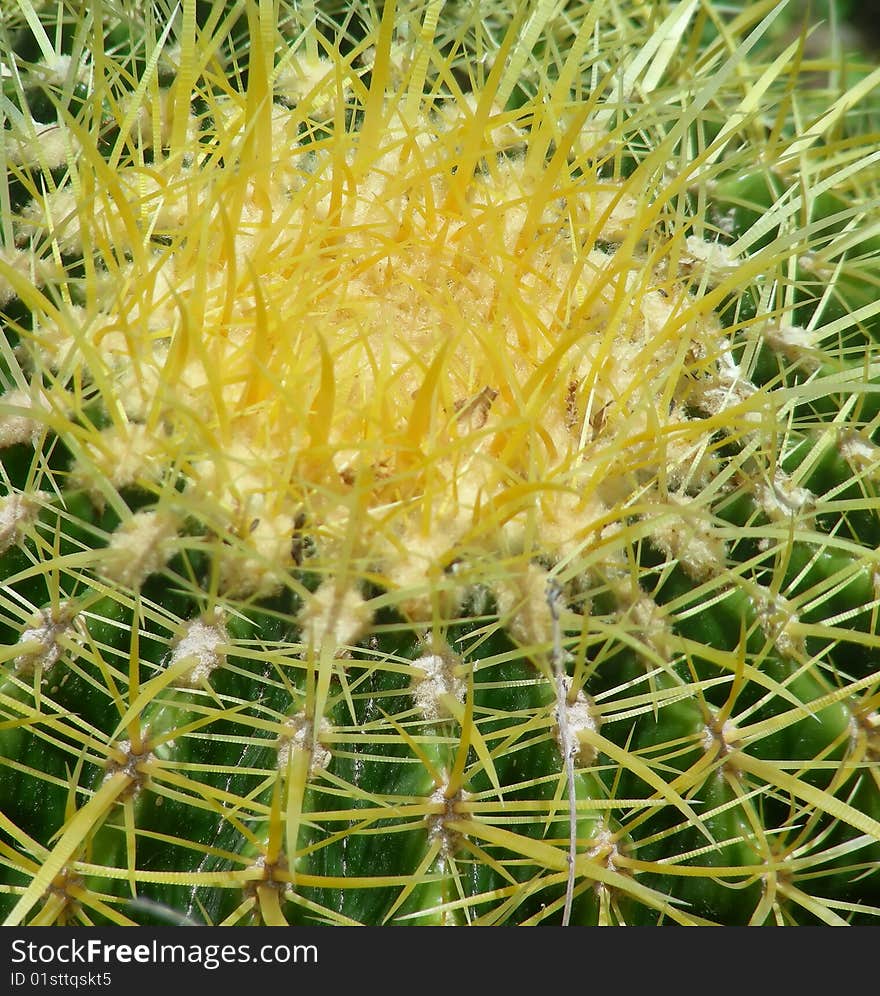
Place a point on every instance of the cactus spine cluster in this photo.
(439, 466)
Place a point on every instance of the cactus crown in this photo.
(438, 466)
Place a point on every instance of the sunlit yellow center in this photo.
(416, 337)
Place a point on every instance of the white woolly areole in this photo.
(859, 453)
(412, 569)
(125, 454)
(794, 343)
(690, 540)
(16, 513)
(522, 604)
(314, 78)
(22, 262)
(437, 829)
(605, 848)
(55, 215)
(261, 571)
(44, 145)
(728, 388)
(710, 260)
(867, 724)
(338, 615)
(129, 764)
(648, 618)
(725, 735)
(779, 623)
(652, 624)
(60, 69)
(438, 679)
(139, 547)
(201, 643)
(18, 428)
(298, 734)
(581, 718)
(783, 498)
(47, 634)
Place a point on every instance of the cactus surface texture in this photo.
(439, 464)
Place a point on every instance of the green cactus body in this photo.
(439, 460)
